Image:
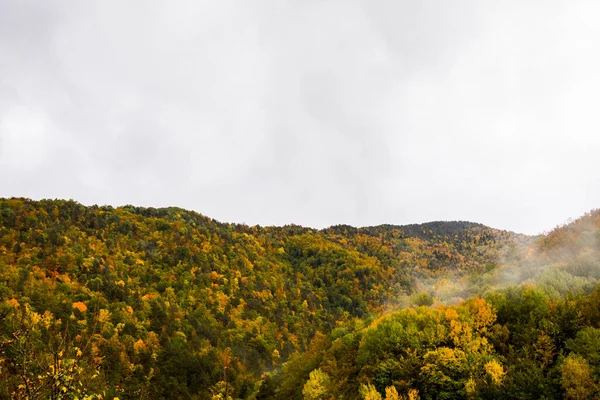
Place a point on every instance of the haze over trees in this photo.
(131, 302)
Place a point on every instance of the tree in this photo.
(391, 393)
(42, 359)
(587, 343)
(317, 386)
(576, 379)
(422, 299)
(369, 392)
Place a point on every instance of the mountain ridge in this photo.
(163, 211)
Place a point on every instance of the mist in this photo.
(564, 261)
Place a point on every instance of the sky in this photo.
(313, 112)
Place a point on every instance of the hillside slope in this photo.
(534, 334)
(167, 303)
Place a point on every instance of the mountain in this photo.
(135, 302)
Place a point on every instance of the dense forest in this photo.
(144, 303)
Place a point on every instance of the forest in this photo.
(98, 302)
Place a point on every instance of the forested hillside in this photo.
(130, 302)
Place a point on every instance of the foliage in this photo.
(135, 302)
(316, 388)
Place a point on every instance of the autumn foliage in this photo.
(130, 302)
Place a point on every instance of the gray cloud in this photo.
(310, 112)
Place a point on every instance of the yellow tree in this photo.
(576, 378)
(317, 386)
(42, 359)
(369, 392)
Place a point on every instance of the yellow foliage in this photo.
(149, 296)
(451, 314)
(413, 394)
(316, 388)
(275, 356)
(482, 313)
(576, 378)
(495, 371)
(471, 388)
(391, 393)
(80, 306)
(139, 346)
(103, 316)
(47, 319)
(35, 318)
(369, 392)
(214, 276)
(13, 303)
(153, 341)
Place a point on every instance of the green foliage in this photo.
(422, 299)
(587, 343)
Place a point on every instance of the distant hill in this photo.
(571, 237)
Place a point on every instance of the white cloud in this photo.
(308, 112)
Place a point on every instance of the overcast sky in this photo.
(314, 112)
